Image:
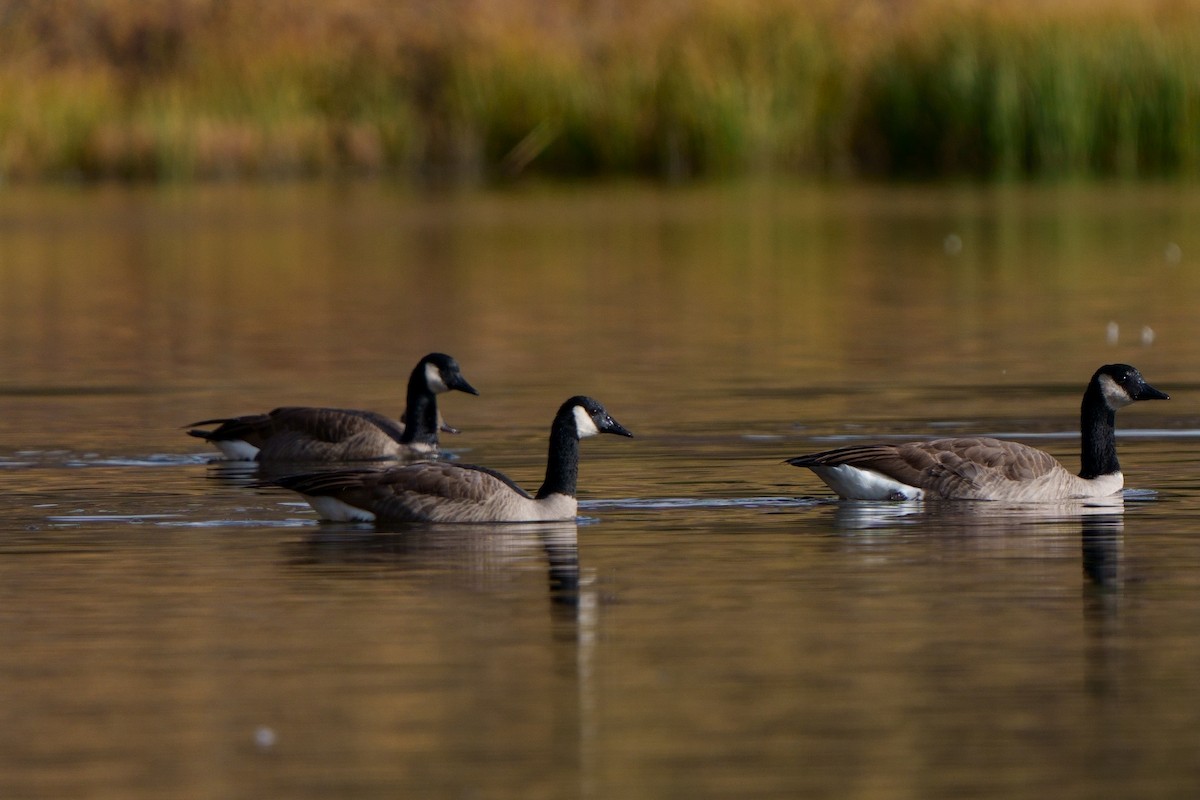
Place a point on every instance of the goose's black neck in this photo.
(562, 463)
(421, 419)
(1097, 422)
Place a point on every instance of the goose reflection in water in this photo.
(976, 516)
(1029, 530)
(1103, 541)
(469, 551)
(248, 474)
(1099, 521)
(424, 566)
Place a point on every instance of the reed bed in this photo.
(472, 90)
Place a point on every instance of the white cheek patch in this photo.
(433, 379)
(1114, 394)
(584, 425)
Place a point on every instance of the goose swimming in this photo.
(302, 433)
(437, 491)
(983, 468)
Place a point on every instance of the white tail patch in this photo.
(854, 483)
(237, 450)
(433, 379)
(585, 426)
(1114, 393)
(331, 508)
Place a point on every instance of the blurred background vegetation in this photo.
(480, 90)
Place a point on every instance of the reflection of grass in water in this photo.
(187, 88)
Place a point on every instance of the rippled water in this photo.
(715, 624)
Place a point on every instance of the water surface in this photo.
(715, 624)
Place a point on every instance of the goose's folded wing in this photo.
(391, 427)
(444, 481)
(1011, 461)
(984, 468)
(329, 424)
(960, 467)
(251, 428)
(327, 482)
(415, 492)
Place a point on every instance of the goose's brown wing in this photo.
(969, 467)
(253, 429)
(331, 424)
(1011, 461)
(448, 481)
(416, 492)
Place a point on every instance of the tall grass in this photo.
(1112, 92)
(479, 89)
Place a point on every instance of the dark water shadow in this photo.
(1102, 538)
(1102, 542)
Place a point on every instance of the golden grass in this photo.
(482, 89)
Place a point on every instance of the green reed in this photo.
(1010, 97)
(183, 89)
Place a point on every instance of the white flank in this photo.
(1105, 485)
(237, 450)
(853, 483)
(556, 508)
(433, 379)
(584, 425)
(1114, 394)
(331, 508)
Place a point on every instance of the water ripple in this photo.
(177, 521)
(642, 503)
(63, 458)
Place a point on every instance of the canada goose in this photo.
(980, 468)
(437, 491)
(301, 433)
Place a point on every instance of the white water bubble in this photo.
(264, 737)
